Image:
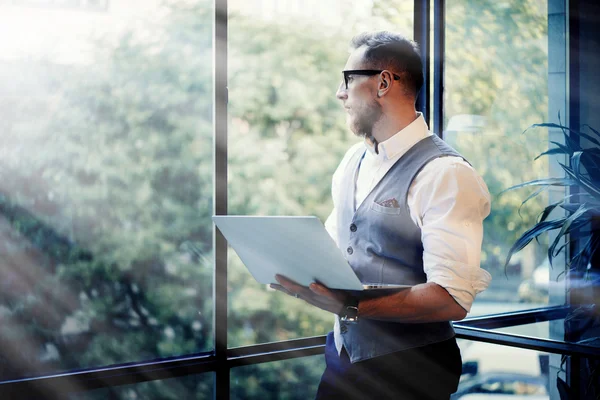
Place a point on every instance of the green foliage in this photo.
(120, 193)
(579, 223)
(198, 387)
(496, 66)
(286, 137)
(282, 380)
(576, 226)
(106, 193)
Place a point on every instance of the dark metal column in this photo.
(573, 364)
(439, 42)
(421, 36)
(220, 198)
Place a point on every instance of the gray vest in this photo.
(383, 245)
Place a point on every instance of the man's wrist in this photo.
(349, 311)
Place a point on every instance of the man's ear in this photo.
(386, 81)
(384, 86)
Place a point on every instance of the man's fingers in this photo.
(285, 281)
(299, 295)
(323, 290)
(280, 288)
(316, 293)
(318, 288)
(290, 284)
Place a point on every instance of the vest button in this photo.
(343, 329)
(353, 228)
(350, 250)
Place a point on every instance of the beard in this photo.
(363, 122)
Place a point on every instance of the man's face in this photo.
(359, 99)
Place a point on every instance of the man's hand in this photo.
(316, 294)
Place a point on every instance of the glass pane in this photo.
(539, 330)
(198, 387)
(578, 325)
(491, 96)
(494, 371)
(287, 133)
(483, 306)
(105, 182)
(281, 380)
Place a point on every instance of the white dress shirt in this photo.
(448, 200)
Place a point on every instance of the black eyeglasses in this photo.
(364, 72)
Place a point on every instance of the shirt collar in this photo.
(401, 141)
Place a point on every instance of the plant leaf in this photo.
(590, 138)
(559, 149)
(576, 162)
(544, 182)
(531, 196)
(590, 128)
(565, 227)
(594, 207)
(572, 144)
(551, 152)
(587, 185)
(531, 233)
(563, 389)
(544, 215)
(581, 253)
(591, 161)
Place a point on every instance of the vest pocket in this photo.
(385, 210)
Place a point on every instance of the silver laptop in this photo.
(298, 248)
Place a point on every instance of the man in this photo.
(407, 209)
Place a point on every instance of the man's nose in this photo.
(341, 93)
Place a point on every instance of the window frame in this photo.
(222, 359)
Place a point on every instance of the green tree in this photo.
(107, 193)
(495, 66)
(287, 135)
(107, 214)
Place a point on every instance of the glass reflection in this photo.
(288, 379)
(579, 326)
(199, 387)
(490, 97)
(493, 371)
(287, 133)
(105, 183)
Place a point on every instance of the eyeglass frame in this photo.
(364, 72)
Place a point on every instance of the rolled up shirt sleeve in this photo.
(449, 201)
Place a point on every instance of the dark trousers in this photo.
(428, 372)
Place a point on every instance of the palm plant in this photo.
(580, 225)
(582, 204)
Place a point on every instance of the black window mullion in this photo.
(292, 344)
(269, 352)
(58, 385)
(223, 359)
(421, 25)
(515, 318)
(573, 365)
(527, 343)
(221, 389)
(439, 48)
